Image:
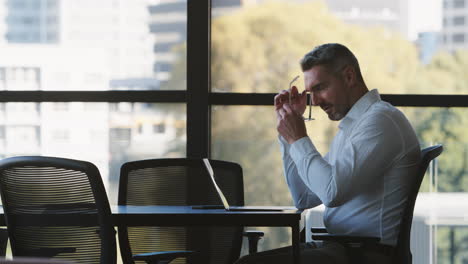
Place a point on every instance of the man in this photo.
(364, 179)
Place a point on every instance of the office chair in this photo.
(402, 252)
(21, 260)
(58, 208)
(41, 195)
(3, 241)
(181, 182)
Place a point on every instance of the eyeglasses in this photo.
(309, 101)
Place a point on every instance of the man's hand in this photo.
(298, 101)
(290, 124)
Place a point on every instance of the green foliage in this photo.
(258, 49)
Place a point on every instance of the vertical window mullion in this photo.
(198, 78)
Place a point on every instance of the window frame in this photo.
(198, 97)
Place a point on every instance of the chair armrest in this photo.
(318, 230)
(166, 256)
(346, 239)
(3, 241)
(253, 236)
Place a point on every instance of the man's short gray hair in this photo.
(333, 56)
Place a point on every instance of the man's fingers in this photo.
(293, 94)
(281, 113)
(282, 97)
(287, 108)
(277, 100)
(278, 114)
(294, 91)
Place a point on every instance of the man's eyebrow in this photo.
(316, 86)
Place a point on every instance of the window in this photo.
(459, 20)
(121, 107)
(21, 139)
(134, 92)
(51, 37)
(60, 135)
(459, 3)
(52, 20)
(163, 67)
(458, 38)
(121, 134)
(36, 5)
(159, 128)
(243, 36)
(51, 3)
(29, 20)
(105, 138)
(2, 132)
(60, 107)
(111, 57)
(17, 4)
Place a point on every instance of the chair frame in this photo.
(402, 250)
(151, 163)
(107, 232)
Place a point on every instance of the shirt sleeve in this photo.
(302, 196)
(370, 149)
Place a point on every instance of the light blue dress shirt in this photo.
(365, 177)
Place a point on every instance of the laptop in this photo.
(226, 205)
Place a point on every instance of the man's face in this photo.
(328, 90)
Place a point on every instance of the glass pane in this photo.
(93, 45)
(247, 135)
(257, 45)
(446, 126)
(105, 134)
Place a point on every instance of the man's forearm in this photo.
(302, 196)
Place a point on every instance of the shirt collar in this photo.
(359, 108)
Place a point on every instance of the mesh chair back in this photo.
(180, 182)
(403, 252)
(57, 208)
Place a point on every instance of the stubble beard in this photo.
(339, 113)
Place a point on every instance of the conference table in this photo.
(188, 216)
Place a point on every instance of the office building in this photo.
(74, 45)
(53, 129)
(455, 25)
(168, 23)
(392, 15)
(119, 28)
(428, 43)
(35, 21)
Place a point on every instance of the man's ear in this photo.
(349, 74)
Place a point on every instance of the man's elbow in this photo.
(304, 202)
(333, 201)
(301, 204)
(301, 207)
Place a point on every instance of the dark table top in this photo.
(177, 216)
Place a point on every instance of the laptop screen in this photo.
(218, 190)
